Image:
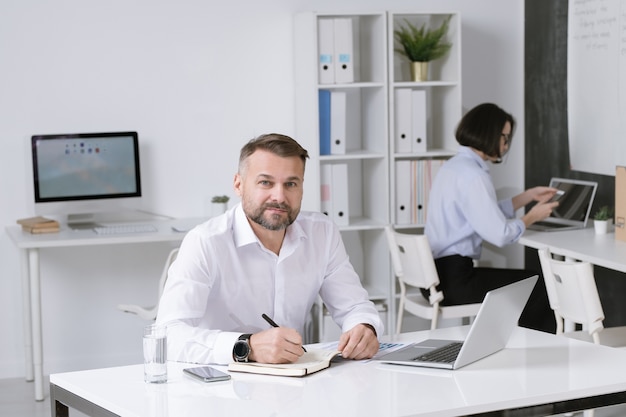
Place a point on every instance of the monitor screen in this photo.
(90, 168)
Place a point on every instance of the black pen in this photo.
(273, 324)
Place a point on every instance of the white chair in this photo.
(414, 266)
(150, 313)
(574, 298)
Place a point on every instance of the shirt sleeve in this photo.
(182, 305)
(493, 221)
(186, 342)
(506, 206)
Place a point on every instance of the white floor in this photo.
(16, 400)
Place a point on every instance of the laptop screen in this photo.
(575, 202)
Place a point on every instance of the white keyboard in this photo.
(124, 228)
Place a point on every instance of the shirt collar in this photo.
(242, 231)
(467, 152)
(244, 235)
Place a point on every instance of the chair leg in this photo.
(399, 323)
(400, 315)
(435, 320)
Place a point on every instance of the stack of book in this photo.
(39, 224)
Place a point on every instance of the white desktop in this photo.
(537, 374)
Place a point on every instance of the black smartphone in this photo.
(207, 374)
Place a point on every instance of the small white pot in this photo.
(218, 208)
(602, 226)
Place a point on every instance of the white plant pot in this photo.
(602, 226)
(218, 208)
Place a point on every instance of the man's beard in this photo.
(275, 221)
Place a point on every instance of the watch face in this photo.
(241, 350)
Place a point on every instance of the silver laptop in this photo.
(490, 332)
(575, 199)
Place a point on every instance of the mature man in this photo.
(264, 256)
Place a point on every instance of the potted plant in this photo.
(602, 219)
(219, 204)
(421, 46)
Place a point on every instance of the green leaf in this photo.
(421, 45)
(220, 199)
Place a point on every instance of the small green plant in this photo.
(220, 199)
(603, 213)
(421, 45)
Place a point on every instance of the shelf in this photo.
(353, 155)
(363, 223)
(354, 85)
(422, 84)
(406, 227)
(431, 154)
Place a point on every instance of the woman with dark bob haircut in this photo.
(463, 211)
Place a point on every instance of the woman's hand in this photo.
(539, 194)
(542, 194)
(539, 212)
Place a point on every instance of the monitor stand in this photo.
(81, 221)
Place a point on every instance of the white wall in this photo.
(196, 79)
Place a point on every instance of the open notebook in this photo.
(312, 361)
(575, 199)
(490, 332)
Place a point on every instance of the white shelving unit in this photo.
(443, 112)
(443, 99)
(372, 158)
(367, 160)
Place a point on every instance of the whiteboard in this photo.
(596, 85)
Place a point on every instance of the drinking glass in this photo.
(155, 354)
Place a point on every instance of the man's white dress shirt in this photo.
(224, 279)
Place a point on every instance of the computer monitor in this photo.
(85, 175)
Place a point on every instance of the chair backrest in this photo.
(412, 259)
(572, 291)
(168, 262)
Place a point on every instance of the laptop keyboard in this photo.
(552, 225)
(445, 354)
(125, 228)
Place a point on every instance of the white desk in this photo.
(537, 374)
(30, 245)
(583, 245)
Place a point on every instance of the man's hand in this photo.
(360, 342)
(276, 345)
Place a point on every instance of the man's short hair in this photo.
(280, 145)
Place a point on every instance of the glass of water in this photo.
(155, 354)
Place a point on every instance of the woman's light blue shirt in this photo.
(463, 210)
